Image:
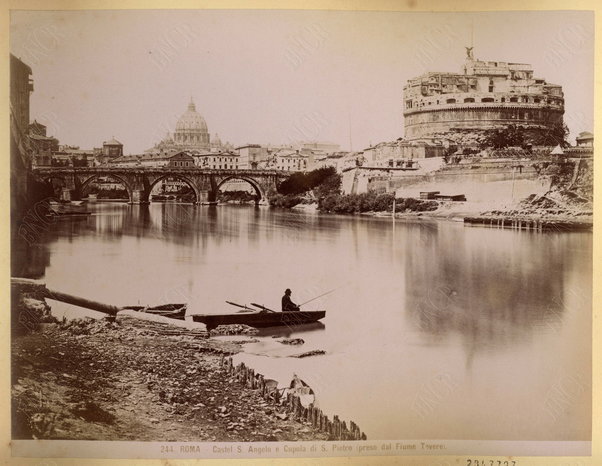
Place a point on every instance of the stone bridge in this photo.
(139, 181)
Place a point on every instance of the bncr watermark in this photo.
(170, 44)
(37, 221)
(433, 393)
(434, 42)
(560, 304)
(304, 43)
(564, 393)
(570, 40)
(435, 305)
(41, 42)
(307, 127)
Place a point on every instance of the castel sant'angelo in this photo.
(488, 94)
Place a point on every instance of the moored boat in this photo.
(173, 311)
(259, 319)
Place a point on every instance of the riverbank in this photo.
(547, 208)
(138, 380)
(559, 192)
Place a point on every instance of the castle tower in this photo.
(487, 95)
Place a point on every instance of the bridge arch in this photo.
(256, 186)
(48, 181)
(85, 183)
(189, 182)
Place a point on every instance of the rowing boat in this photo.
(259, 319)
(174, 311)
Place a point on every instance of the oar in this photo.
(313, 299)
(240, 305)
(262, 307)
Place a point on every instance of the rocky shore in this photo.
(138, 380)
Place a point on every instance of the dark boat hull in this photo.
(259, 319)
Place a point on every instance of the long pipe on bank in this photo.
(66, 298)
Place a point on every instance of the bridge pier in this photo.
(66, 194)
(203, 197)
(139, 197)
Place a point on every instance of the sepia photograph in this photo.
(301, 233)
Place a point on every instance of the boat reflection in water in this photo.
(286, 331)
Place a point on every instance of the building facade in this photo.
(585, 139)
(398, 152)
(291, 161)
(218, 160)
(112, 148)
(321, 146)
(487, 95)
(253, 156)
(21, 86)
(41, 144)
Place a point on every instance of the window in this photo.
(468, 100)
(450, 101)
(487, 99)
(491, 85)
(513, 99)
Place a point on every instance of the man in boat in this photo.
(287, 304)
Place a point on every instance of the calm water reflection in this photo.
(435, 330)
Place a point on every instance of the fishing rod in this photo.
(313, 299)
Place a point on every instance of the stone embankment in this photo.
(517, 223)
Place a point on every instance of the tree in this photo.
(557, 135)
(511, 136)
(299, 183)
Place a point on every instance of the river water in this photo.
(435, 330)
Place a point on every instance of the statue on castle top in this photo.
(469, 53)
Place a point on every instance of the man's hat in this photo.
(287, 291)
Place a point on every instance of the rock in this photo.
(292, 341)
(42, 424)
(309, 353)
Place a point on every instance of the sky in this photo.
(275, 76)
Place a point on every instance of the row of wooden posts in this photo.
(337, 429)
(525, 224)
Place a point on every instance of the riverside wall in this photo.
(490, 183)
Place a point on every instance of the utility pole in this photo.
(349, 119)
